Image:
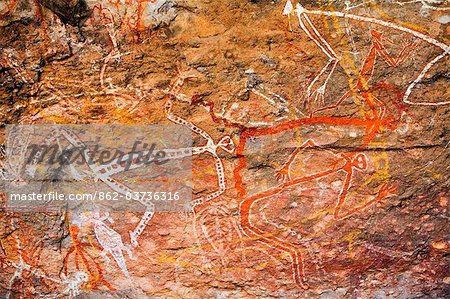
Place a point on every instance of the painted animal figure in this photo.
(347, 164)
(111, 242)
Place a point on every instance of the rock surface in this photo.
(338, 182)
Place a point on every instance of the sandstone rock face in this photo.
(329, 176)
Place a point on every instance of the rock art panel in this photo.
(319, 163)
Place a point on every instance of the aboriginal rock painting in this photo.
(320, 148)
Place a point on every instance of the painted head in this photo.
(359, 162)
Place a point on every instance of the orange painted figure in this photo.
(367, 69)
(128, 16)
(84, 260)
(347, 163)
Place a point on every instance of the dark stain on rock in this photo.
(72, 14)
